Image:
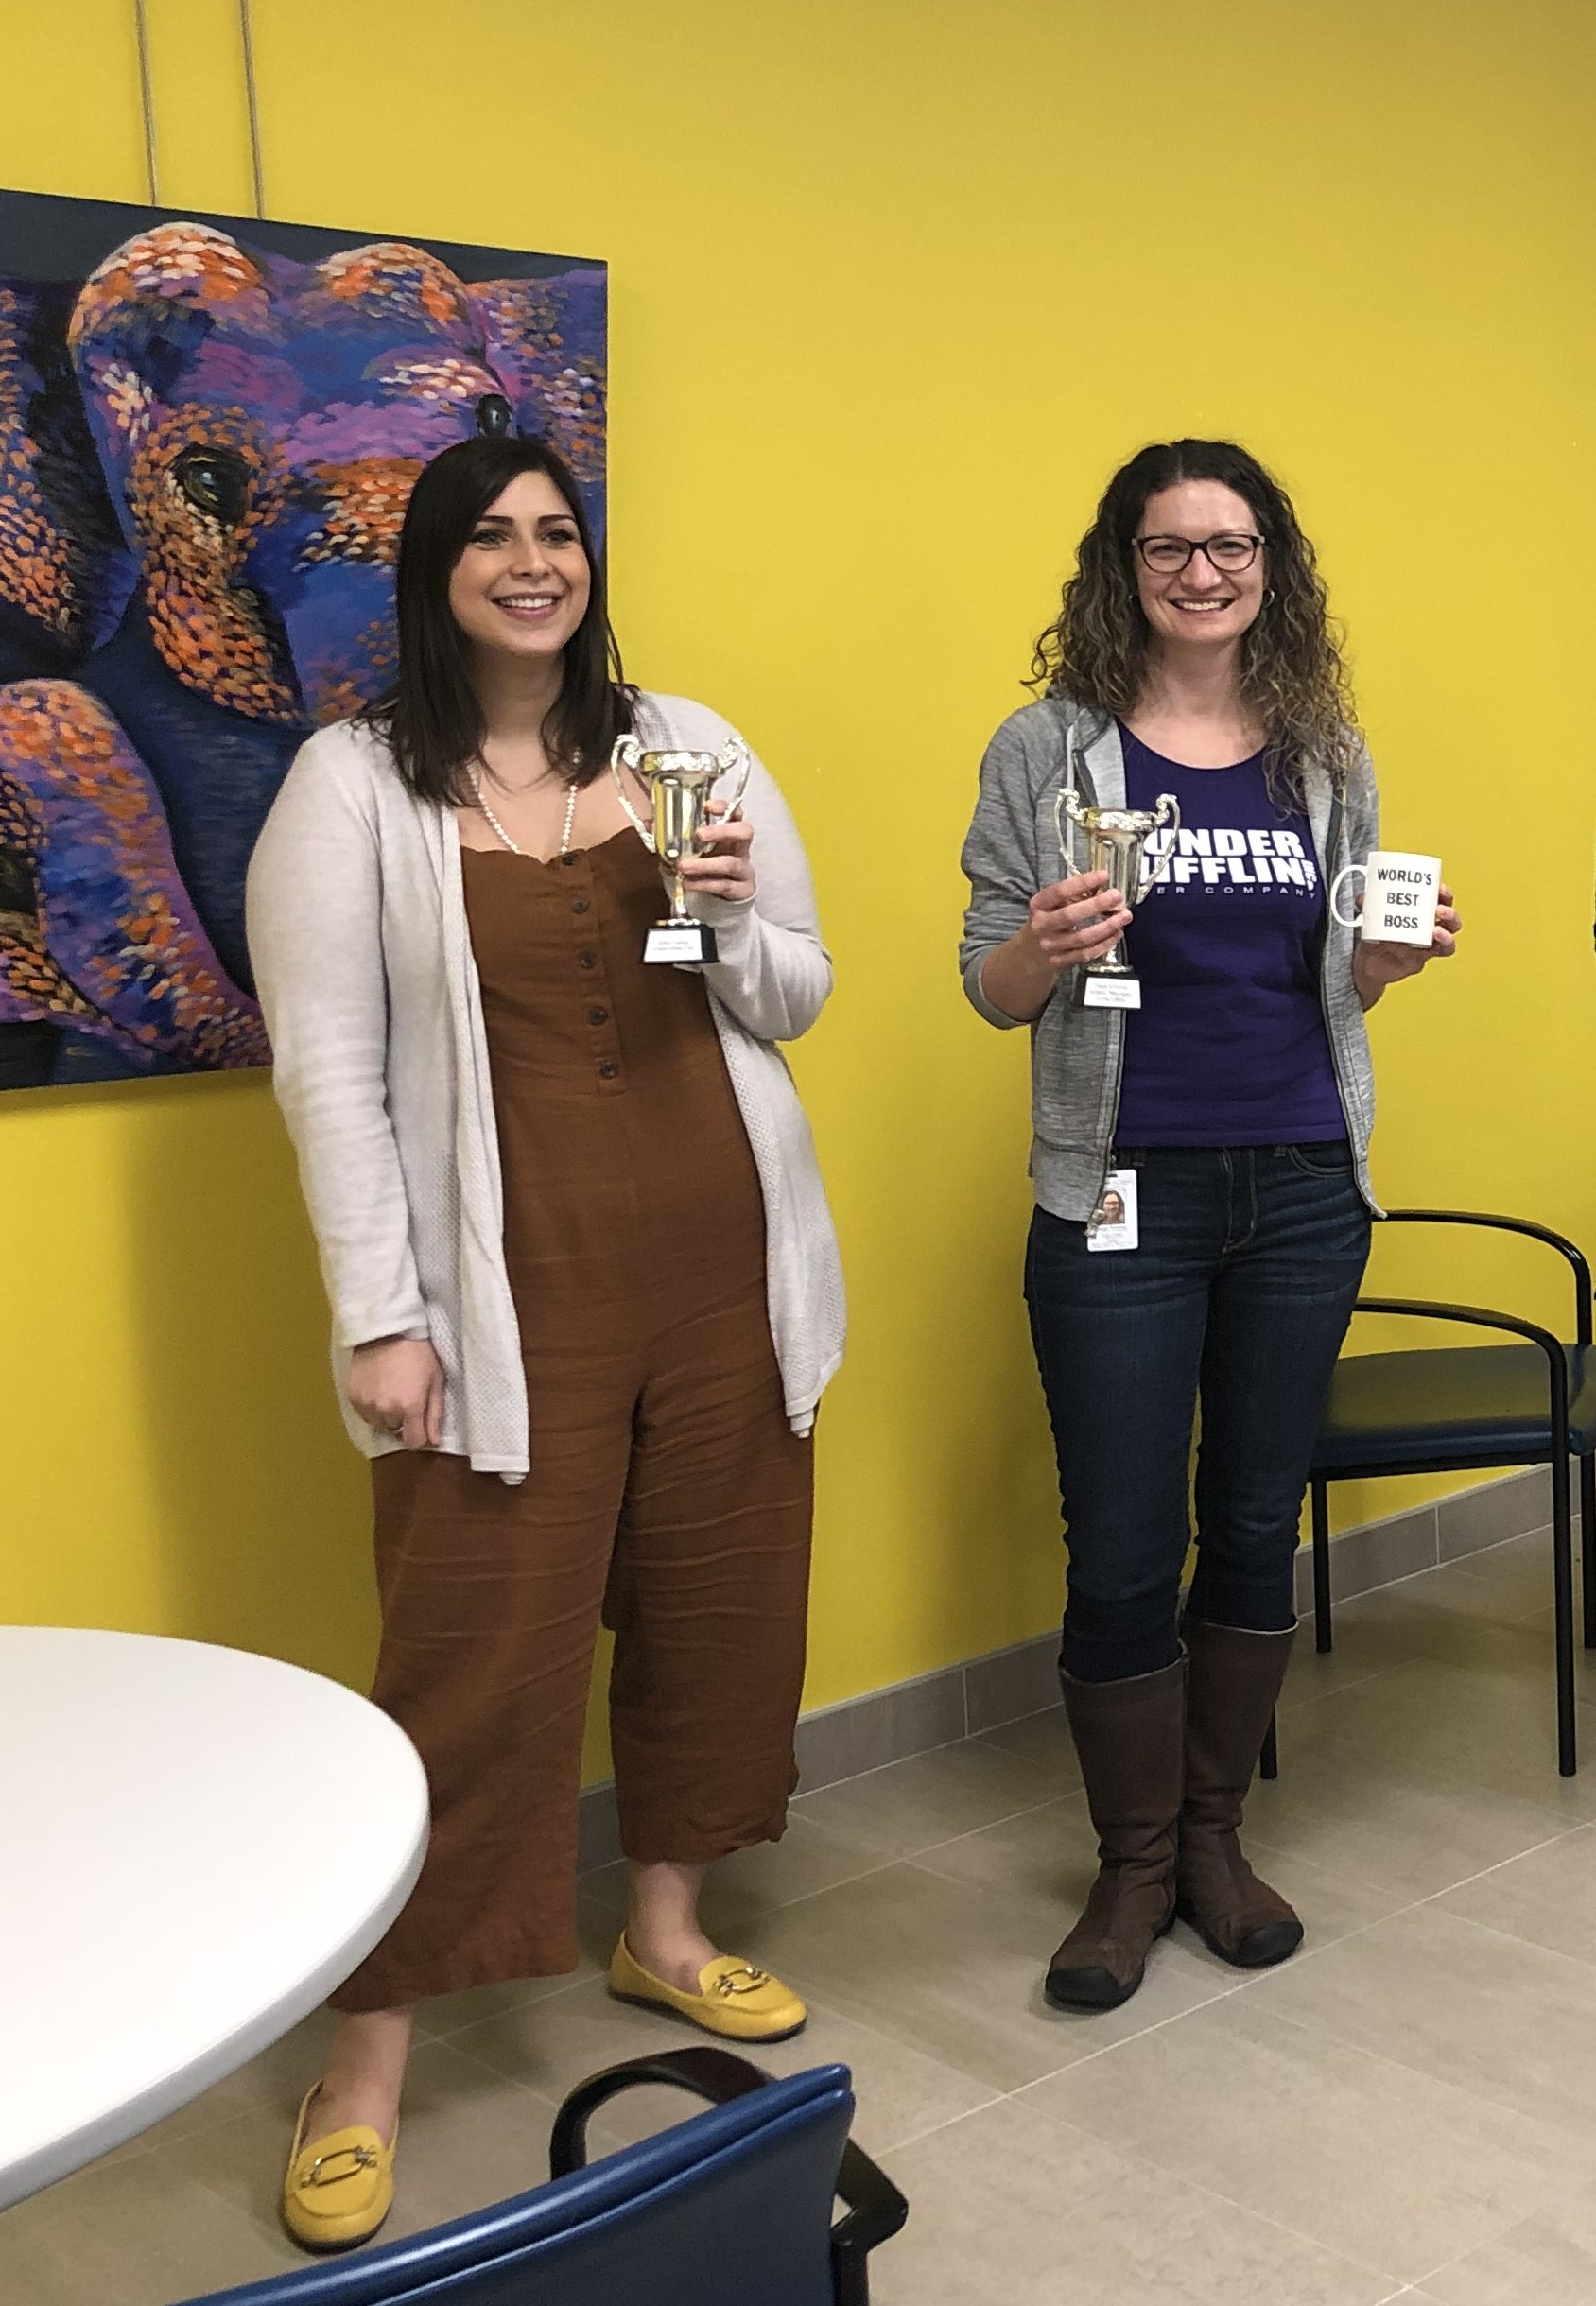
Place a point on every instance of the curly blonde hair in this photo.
(1293, 676)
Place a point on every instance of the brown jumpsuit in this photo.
(668, 1494)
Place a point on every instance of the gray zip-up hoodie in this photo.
(1076, 1053)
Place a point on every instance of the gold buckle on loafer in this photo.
(744, 1981)
(363, 2158)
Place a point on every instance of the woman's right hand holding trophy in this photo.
(1067, 924)
(1078, 919)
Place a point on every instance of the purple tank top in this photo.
(1229, 1045)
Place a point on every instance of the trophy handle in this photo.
(628, 754)
(1067, 805)
(1335, 891)
(733, 755)
(1168, 809)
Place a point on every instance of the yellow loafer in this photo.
(339, 2189)
(733, 1998)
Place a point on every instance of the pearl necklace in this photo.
(514, 848)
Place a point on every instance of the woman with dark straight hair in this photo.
(1199, 1158)
(584, 1284)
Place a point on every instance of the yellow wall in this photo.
(895, 283)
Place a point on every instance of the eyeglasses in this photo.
(1166, 556)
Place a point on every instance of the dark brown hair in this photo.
(1291, 672)
(431, 717)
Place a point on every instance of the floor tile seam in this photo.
(857, 1777)
(1342, 1879)
(1319, 1697)
(243, 2214)
(822, 2007)
(1308, 1953)
(766, 1912)
(1456, 2260)
(789, 1905)
(1214, 2193)
(1436, 2081)
(970, 1833)
(1428, 2074)
(1432, 1896)
(972, 2113)
(119, 2158)
(1509, 1938)
(1483, 1552)
(1472, 1786)
(1336, 2249)
(1005, 1817)
(555, 1993)
(784, 1905)
(1423, 1654)
(1409, 1577)
(500, 2073)
(1154, 2025)
(769, 1905)
(990, 1740)
(1472, 1658)
(1542, 1615)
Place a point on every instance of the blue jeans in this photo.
(1238, 1298)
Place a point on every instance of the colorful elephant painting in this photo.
(206, 446)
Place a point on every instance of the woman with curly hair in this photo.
(1228, 1117)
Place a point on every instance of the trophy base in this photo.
(1109, 992)
(680, 944)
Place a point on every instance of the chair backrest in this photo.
(730, 2206)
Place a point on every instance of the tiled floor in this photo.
(1406, 2110)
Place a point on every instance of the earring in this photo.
(1268, 596)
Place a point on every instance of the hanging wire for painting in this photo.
(247, 30)
(146, 95)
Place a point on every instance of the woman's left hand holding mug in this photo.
(1379, 962)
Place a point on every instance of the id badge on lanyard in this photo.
(1113, 1223)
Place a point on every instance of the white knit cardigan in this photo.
(362, 958)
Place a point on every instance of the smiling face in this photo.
(1199, 606)
(522, 585)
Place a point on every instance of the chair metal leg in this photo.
(1269, 1760)
(1562, 1595)
(1322, 1636)
(1587, 1545)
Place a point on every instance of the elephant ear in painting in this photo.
(546, 338)
(66, 572)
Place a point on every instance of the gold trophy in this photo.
(679, 786)
(1115, 844)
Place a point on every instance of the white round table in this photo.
(197, 1845)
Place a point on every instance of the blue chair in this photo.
(731, 2208)
(1461, 1409)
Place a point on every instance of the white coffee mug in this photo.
(1399, 901)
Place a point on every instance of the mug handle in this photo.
(1335, 892)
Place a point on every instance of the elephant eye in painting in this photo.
(214, 481)
(495, 418)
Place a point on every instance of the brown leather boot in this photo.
(1233, 1681)
(1128, 1737)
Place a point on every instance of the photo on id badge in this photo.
(1113, 1223)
